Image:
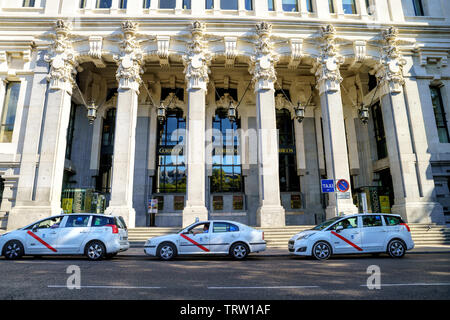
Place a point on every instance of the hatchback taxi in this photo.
(94, 235)
(208, 237)
(354, 234)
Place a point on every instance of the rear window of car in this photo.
(101, 221)
(224, 227)
(121, 223)
(392, 220)
(372, 221)
(76, 221)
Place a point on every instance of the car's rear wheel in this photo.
(166, 251)
(13, 250)
(321, 250)
(95, 250)
(396, 248)
(239, 251)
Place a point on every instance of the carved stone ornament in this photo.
(130, 59)
(225, 100)
(197, 60)
(390, 69)
(262, 65)
(62, 59)
(327, 65)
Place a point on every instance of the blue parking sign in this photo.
(327, 185)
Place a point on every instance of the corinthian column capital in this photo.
(62, 59)
(326, 67)
(262, 64)
(197, 60)
(390, 68)
(130, 59)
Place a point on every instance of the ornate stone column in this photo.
(328, 83)
(128, 75)
(262, 68)
(62, 59)
(408, 174)
(196, 71)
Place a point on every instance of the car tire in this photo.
(239, 251)
(166, 251)
(13, 250)
(321, 250)
(396, 248)
(95, 250)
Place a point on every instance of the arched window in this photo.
(289, 180)
(171, 171)
(226, 166)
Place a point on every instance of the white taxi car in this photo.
(208, 237)
(359, 233)
(94, 235)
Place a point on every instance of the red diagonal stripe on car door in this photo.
(194, 242)
(41, 241)
(348, 241)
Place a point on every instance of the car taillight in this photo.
(407, 227)
(114, 228)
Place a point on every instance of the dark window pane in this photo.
(418, 7)
(209, 4)
(270, 4)
(187, 4)
(167, 4)
(229, 4)
(104, 3)
(290, 5)
(249, 4)
(439, 115)
(349, 6)
(9, 111)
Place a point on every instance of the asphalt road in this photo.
(416, 276)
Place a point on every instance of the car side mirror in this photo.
(339, 228)
(35, 228)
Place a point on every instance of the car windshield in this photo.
(187, 227)
(326, 224)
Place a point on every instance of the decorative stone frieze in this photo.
(262, 64)
(326, 67)
(225, 101)
(197, 59)
(390, 69)
(130, 59)
(62, 59)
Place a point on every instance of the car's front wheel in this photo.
(396, 248)
(95, 250)
(13, 250)
(239, 251)
(321, 250)
(166, 251)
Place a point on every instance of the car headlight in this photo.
(304, 236)
(148, 242)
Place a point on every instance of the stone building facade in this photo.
(231, 109)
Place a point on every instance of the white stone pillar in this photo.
(261, 8)
(53, 143)
(270, 212)
(362, 9)
(322, 11)
(129, 77)
(300, 148)
(196, 63)
(328, 83)
(408, 159)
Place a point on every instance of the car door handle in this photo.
(83, 232)
(54, 232)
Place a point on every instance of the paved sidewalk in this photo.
(274, 252)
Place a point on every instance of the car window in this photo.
(224, 227)
(77, 221)
(349, 223)
(392, 220)
(372, 221)
(101, 221)
(51, 223)
(326, 224)
(199, 228)
(121, 223)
